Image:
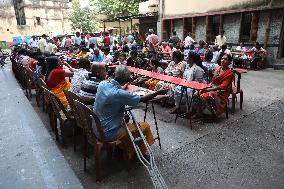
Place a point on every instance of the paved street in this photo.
(244, 151)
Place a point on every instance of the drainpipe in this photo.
(161, 15)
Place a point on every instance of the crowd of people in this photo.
(80, 64)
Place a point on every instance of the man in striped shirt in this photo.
(89, 87)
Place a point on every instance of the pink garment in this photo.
(166, 50)
(68, 42)
(154, 39)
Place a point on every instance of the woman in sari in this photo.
(216, 97)
(56, 77)
(176, 69)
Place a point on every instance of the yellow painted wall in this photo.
(53, 18)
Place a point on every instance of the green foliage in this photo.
(118, 7)
(83, 19)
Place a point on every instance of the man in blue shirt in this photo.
(77, 39)
(111, 99)
(97, 57)
(130, 38)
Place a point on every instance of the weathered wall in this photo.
(276, 23)
(200, 28)
(178, 27)
(53, 18)
(182, 7)
(232, 27)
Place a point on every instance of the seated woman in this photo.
(224, 50)
(80, 75)
(258, 56)
(40, 68)
(166, 50)
(55, 77)
(155, 67)
(210, 66)
(134, 60)
(200, 49)
(83, 53)
(121, 59)
(191, 73)
(175, 68)
(216, 97)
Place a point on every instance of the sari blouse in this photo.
(56, 77)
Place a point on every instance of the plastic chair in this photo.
(86, 116)
(237, 90)
(74, 111)
(61, 114)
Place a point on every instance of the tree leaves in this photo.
(83, 19)
(116, 8)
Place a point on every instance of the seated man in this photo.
(241, 47)
(89, 87)
(107, 56)
(97, 56)
(109, 106)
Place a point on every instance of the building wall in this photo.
(53, 18)
(232, 27)
(200, 28)
(178, 27)
(182, 7)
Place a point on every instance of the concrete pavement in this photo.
(29, 156)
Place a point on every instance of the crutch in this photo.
(150, 164)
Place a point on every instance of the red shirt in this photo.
(56, 76)
(106, 41)
(32, 63)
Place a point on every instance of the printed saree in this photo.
(217, 99)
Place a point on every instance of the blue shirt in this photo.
(130, 38)
(98, 58)
(77, 40)
(110, 106)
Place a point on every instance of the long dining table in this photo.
(195, 86)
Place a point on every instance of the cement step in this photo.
(278, 66)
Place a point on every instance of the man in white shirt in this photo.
(93, 40)
(220, 39)
(188, 40)
(107, 57)
(241, 47)
(51, 48)
(33, 42)
(42, 43)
